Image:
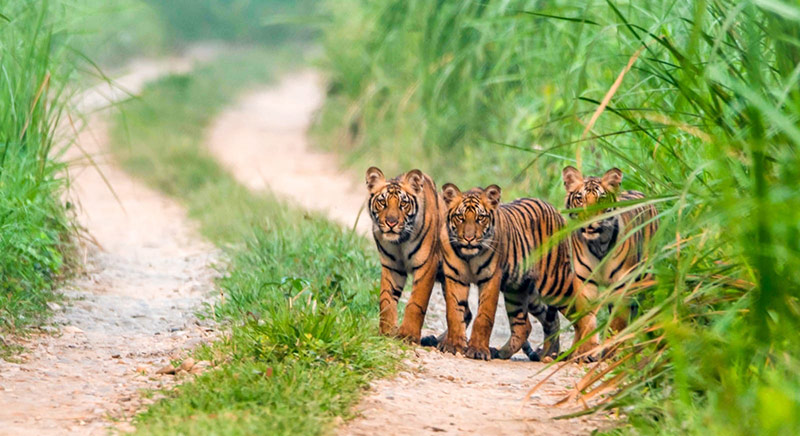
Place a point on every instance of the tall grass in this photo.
(705, 122)
(34, 65)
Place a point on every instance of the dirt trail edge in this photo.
(262, 140)
(130, 312)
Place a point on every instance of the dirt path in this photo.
(132, 309)
(262, 140)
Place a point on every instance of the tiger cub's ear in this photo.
(374, 178)
(450, 193)
(612, 179)
(572, 178)
(493, 195)
(416, 180)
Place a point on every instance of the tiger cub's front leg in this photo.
(551, 326)
(484, 322)
(517, 311)
(392, 283)
(417, 306)
(586, 326)
(455, 296)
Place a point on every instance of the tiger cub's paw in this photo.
(453, 345)
(429, 341)
(501, 353)
(479, 353)
(586, 354)
(408, 335)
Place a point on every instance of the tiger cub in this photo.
(494, 246)
(604, 252)
(406, 216)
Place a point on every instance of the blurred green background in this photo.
(706, 122)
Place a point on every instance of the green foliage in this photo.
(705, 122)
(113, 32)
(300, 294)
(34, 64)
(247, 21)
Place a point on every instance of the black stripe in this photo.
(456, 280)
(537, 310)
(578, 258)
(619, 267)
(584, 279)
(450, 265)
(394, 270)
(386, 253)
(421, 240)
(485, 264)
(515, 313)
(411, 303)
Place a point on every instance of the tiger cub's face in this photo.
(393, 204)
(592, 194)
(470, 217)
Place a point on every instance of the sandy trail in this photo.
(262, 140)
(129, 313)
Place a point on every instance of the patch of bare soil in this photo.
(128, 314)
(442, 394)
(262, 140)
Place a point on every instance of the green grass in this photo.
(299, 294)
(706, 122)
(112, 33)
(34, 229)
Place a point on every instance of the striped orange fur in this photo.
(494, 246)
(606, 251)
(406, 217)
